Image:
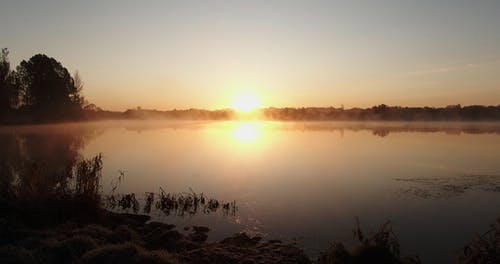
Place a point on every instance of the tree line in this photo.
(376, 113)
(387, 113)
(39, 89)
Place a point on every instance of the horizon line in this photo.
(139, 108)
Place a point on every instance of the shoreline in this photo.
(112, 237)
(131, 238)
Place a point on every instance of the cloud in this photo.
(455, 68)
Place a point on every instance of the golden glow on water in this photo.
(250, 138)
(247, 132)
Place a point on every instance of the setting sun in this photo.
(245, 102)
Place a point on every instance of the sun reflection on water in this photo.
(247, 132)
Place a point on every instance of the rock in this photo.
(198, 237)
(136, 218)
(163, 239)
(154, 225)
(185, 244)
(126, 219)
(239, 240)
(256, 239)
(201, 229)
(239, 249)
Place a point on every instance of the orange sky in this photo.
(182, 54)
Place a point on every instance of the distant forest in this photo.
(376, 113)
(42, 90)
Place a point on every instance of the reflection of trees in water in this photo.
(381, 129)
(40, 150)
(444, 187)
(45, 160)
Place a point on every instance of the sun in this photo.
(245, 102)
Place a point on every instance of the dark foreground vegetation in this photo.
(42, 90)
(64, 218)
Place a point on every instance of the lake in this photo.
(439, 183)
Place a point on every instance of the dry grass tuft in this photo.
(484, 249)
(381, 246)
(127, 253)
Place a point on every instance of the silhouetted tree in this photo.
(8, 91)
(48, 88)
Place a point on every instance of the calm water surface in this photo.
(439, 183)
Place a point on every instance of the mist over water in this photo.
(296, 180)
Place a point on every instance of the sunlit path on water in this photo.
(249, 132)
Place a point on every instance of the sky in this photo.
(202, 54)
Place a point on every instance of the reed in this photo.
(381, 246)
(484, 249)
(88, 178)
(170, 204)
(39, 197)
